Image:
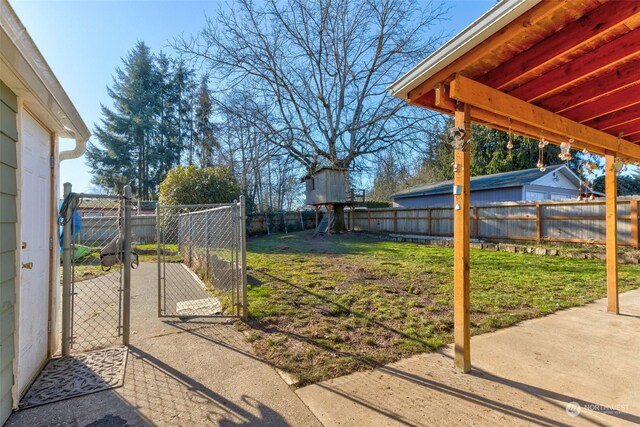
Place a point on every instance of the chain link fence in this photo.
(201, 256)
(93, 312)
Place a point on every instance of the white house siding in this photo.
(556, 191)
(8, 244)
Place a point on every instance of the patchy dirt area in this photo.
(326, 306)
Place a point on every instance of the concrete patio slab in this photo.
(523, 375)
(192, 373)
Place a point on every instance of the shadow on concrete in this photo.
(173, 392)
(215, 333)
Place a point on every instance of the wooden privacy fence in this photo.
(101, 230)
(550, 221)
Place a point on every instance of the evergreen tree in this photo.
(186, 92)
(204, 137)
(489, 154)
(137, 143)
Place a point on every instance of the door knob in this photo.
(27, 265)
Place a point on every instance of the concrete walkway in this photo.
(195, 373)
(523, 375)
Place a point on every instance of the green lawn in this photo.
(322, 307)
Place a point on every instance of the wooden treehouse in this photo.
(329, 187)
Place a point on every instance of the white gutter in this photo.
(503, 13)
(34, 72)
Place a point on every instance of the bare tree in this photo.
(322, 68)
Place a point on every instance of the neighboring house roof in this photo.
(25, 71)
(489, 182)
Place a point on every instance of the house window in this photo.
(535, 195)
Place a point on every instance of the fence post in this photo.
(66, 275)
(159, 256)
(538, 223)
(207, 261)
(190, 239)
(126, 276)
(266, 222)
(284, 221)
(475, 222)
(395, 221)
(243, 242)
(635, 234)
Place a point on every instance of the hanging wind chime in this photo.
(541, 144)
(510, 141)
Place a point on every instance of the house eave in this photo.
(25, 71)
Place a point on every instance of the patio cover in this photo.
(565, 71)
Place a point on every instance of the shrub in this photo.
(186, 185)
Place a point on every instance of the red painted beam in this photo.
(616, 118)
(607, 104)
(572, 37)
(615, 80)
(607, 56)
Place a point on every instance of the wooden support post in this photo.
(635, 234)
(538, 223)
(461, 214)
(611, 209)
(316, 207)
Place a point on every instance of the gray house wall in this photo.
(8, 246)
(494, 195)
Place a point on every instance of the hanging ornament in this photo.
(541, 144)
(510, 141)
(585, 151)
(618, 165)
(565, 150)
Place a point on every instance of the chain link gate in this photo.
(96, 290)
(202, 260)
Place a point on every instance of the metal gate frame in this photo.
(237, 260)
(69, 293)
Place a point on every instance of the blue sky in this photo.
(84, 41)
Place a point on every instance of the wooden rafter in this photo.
(517, 27)
(625, 129)
(620, 78)
(486, 98)
(607, 57)
(619, 117)
(612, 101)
(571, 38)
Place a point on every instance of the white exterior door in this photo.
(35, 228)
